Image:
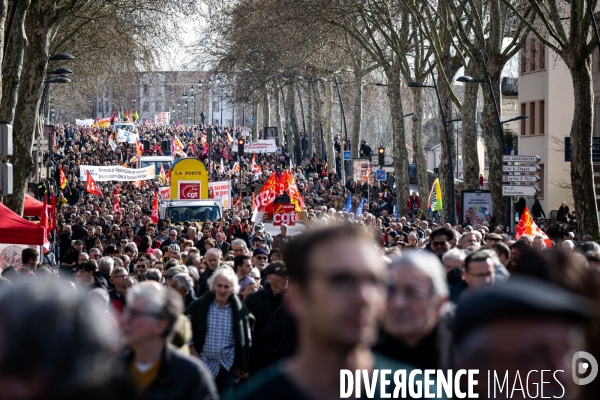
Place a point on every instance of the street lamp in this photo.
(193, 96)
(520, 117)
(187, 108)
(456, 120)
(409, 115)
(448, 149)
(202, 97)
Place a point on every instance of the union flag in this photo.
(90, 185)
(526, 226)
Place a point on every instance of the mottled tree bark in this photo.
(266, 111)
(419, 154)
(277, 96)
(319, 121)
(310, 109)
(255, 124)
(399, 138)
(357, 110)
(39, 24)
(470, 156)
(493, 146)
(294, 145)
(581, 152)
(329, 127)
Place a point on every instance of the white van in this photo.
(157, 161)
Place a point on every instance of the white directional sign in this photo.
(520, 178)
(511, 190)
(523, 159)
(520, 168)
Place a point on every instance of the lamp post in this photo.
(448, 149)
(193, 95)
(201, 94)
(456, 120)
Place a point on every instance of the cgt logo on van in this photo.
(189, 190)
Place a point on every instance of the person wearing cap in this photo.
(257, 241)
(221, 326)
(525, 325)
(248, 285)
(71, 260)
(260, 259)
(274, 334)
(171, 272)
(259, 231)
(492, 238)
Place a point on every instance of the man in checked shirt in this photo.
(221, 326)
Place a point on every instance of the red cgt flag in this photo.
(155, 208)
(90, 185)
(526, 226)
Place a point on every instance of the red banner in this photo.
(528, 227)
(284, 214)
(90, 185)
(155, 208)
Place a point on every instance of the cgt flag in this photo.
(91, 187)
(526, 226)
(62, 177)
(155, 208)
(435, 197)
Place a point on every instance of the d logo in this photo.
(580, 367)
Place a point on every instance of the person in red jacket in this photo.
(413, 204)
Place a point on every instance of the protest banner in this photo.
(126, 136)
(259, 146)
(221, 190)
(116, 173)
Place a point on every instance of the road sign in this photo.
(521, 178)
(595, 149)
(347, 155)
(521, 159)
(380, 175)
(43, 145)
(520, 168)
(388, 160)
(511, 190)
(252, 119)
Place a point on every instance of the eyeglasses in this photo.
(261, 258)
(439, 243)
(120, 276)
(135, 314)
(410, 293)
(171, 234)
(480, 276)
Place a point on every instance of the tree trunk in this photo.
(39, 26)
(11, 72)
(470, 157)
(320, 136)
(582, 176)
(399, 140)
(329, 127)
(444, 170)
(493, 146)
(310, 109)
(419, 154)
(266, 112)
(294, 145)
(255, 124)
(278, 115)
(356, 113)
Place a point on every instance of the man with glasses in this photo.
(171, 240)
(157, 370)
(117, 294)
(439, 241)
(415, 327)
(141, 268)
(479, 273)
(337, 296)
(239, 247)
(260, 259)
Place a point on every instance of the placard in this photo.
(220, 190)
(476, 206)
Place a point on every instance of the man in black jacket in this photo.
(274, 336)
(221, 327)
(158, 371)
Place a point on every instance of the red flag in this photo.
(44, 220)
(116, 205)
(266, 196)
(90, 185)
(62, 177)
(52, 212)
(155, 208)
(526, 226)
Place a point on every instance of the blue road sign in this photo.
(380, 175)
(347, 155)
(252, 119)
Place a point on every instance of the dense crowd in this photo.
(124, 307)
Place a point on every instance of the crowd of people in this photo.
(124, 307)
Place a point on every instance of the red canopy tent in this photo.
(33, 207)
(16, 230)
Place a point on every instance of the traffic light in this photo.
(241, 143)
(381, 154)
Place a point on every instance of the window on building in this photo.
(215, 106)
(523, 59)
(541, 55)
(532, 54)
(540, 184)
(532, 118)
(146, 90)
(542, 117)
(146, 106)
(523, 121)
